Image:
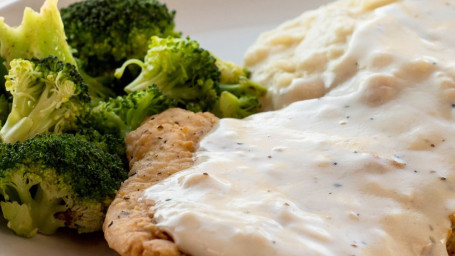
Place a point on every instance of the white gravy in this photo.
(368, 169)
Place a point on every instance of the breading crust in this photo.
(164, 144)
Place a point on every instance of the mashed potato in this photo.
(310, 55)
(367, 168)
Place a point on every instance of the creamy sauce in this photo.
(368, 169)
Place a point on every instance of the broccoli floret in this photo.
(239, 100)
(181, 70)
(48, 97)
(108, 142)
(231, 73)
(53, 181)
(239, 96)
(196, 79)
(39, 35)
(123, 114)
(105, 33)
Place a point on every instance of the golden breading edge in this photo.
(164, 144)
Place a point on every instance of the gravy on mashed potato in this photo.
(364, 165)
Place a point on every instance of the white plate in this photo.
(226, 28)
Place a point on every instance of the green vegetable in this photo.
(39, 35)
(106, 141)
(181, 70)
(105, 33)
(48, 97)
(123, 114)
(53, 181)
(231, 73)
(3, 73)
(196, 79)
(239, 96)
(96, 87)
(239, 100)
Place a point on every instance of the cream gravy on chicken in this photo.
(366, 169)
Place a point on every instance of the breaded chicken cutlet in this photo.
(164, 144)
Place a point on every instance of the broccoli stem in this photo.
(19, 219)
(140, 81)
(15, 131)
(37, 208)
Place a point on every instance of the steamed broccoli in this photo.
(239, 100)
(197, 79)
(105, 33)
(48, 97)
(181, 69)
(53, 181)
(3, 73)
(108, 142)
(231, 73)
(39, 35)
(123, 114)
(239, 96)
(96, 87)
